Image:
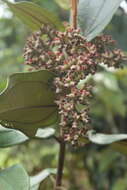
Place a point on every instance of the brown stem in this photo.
(74, 13)
(60, 165)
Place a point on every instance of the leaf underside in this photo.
(94, 15)
(12, 137)
(14, 178)
(36, 180)
(105, 139)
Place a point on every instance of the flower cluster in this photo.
(71, 58)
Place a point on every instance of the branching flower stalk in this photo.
(71, 58)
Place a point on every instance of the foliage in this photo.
(94, 15)
(34, 16)
(37, 101)
(108, 110)
(17, 173)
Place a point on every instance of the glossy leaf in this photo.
(33, 15)
(94, 15)
(104, 139)
(28, 102)
(36, 180)
(14, 178)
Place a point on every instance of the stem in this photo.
(60, 165)
(61, 140)
(74, 13)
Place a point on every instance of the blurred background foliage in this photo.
(90, 167)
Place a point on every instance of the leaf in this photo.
(108, 92)
(108, 157)
(83, 140)
(94, 15)
(103, 139)
(33, 15)
(107, 79)
(82, 82)
(28, 102)
(14, 178)
(36, 180)
(65, 4)
(120, 147)
(10, 137)
(45, 133)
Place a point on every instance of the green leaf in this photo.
(107, 79)
(33, 15)
(10, 137)
(83, 82)
(63, 4)
(28, 102)
(120, 147)
(107, 86)
(94, 15)
(104, 139)
(108, 157)
(14, 178)
(36, 180)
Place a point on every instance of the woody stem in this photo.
(60, 164)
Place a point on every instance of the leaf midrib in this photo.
(28, 107)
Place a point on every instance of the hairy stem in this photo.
(74, 13)
(60, 165)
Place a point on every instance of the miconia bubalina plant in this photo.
(55, 91)
(71, 58)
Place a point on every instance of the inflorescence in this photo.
(72, 58)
